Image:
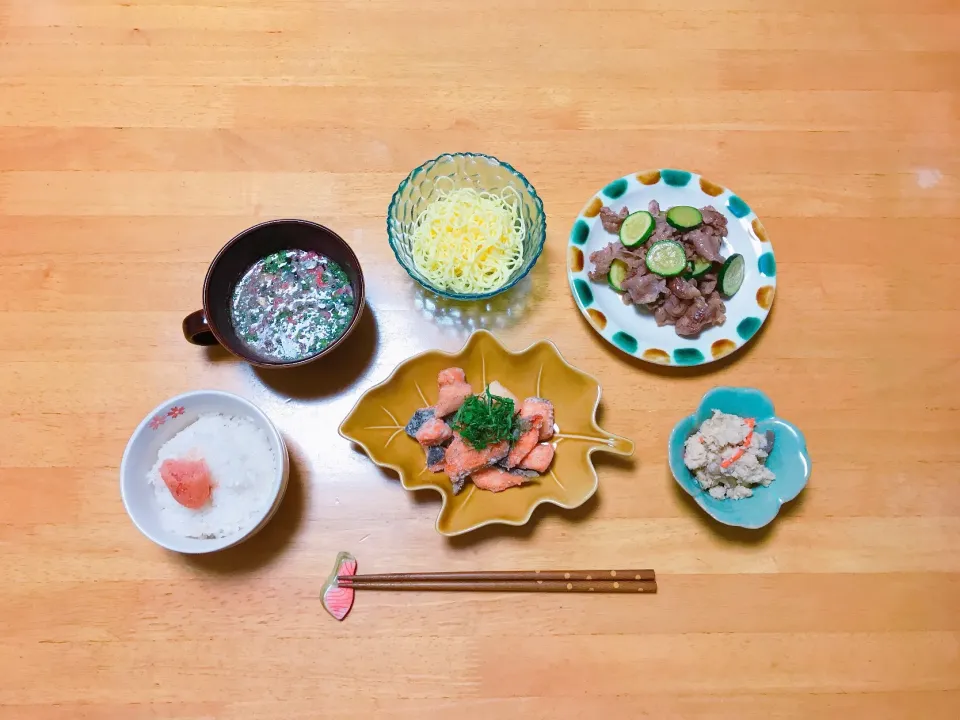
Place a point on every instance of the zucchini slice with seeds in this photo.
(636, 228)
(616, 276)
(731, 275)
(666, 258)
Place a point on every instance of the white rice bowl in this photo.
(246, 456)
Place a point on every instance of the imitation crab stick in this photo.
(751, 423)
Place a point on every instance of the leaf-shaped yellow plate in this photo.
(376, 424)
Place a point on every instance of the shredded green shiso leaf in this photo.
(273, 264)
(487, 419)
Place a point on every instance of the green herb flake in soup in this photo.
(291, 305)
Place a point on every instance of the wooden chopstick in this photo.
(601, 581)
(496, 576)
(583, 586)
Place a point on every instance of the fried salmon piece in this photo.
(433, 432)
(539, 458)
(454, 389)
(451, 376)
(496, 480)
(533, 408)
(451, 398)
(462, 460)
(527, 441)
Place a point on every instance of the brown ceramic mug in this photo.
(213, 325)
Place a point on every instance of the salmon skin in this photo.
(435, 458)
(419, 418)
(457, 484)
(521, 472)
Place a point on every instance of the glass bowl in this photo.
(481, 172)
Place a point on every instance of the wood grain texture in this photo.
(136, 137)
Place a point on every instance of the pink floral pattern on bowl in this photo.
(160, 418)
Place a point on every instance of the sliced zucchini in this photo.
(731, 275)
(616, 276)
(697, 268)
(636, 228)
(666, 258)
(684, 217)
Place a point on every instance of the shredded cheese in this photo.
(469, 241)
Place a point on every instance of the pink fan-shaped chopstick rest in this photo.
(339, 600)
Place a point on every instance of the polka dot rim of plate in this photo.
(635, 331)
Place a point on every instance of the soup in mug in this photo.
(291, 305)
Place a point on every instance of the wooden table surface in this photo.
(137, 137)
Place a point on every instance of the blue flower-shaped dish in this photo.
(789, 460)
(457, 170)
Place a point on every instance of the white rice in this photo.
(719, 439)
(242, 464)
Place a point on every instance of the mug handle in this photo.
(197, 331)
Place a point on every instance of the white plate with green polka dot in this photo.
(634, 331)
